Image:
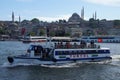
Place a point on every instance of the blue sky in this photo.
(51, 10)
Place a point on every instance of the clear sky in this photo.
(51, 10)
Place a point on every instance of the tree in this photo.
(25, 22)
(42, 32)
(35, 21)
(52, 33)
(67, 34)
(1, 31)
(93, 23)
(116, 22)
(31, 34)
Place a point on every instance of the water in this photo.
(88, 71)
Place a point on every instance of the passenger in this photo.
(55, 45)
(92, 45)
(98, 46)
(36, 51)
(28, 51)
(58, 45)
(61, 45)
(82, 44)
(44, 54)
(68, 45)
(75, 45)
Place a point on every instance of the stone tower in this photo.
(19, 19)
(82, 13)
(95, 15)
(13, 17)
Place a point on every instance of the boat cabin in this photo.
(58, 54)
(68, 54)
(38, 51)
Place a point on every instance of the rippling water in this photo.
(88, 71)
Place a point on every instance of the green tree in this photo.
(35, 21)
(116, 22)
(2, 31)
(31, 34)
(52, 33)
(67, 34)
(42, 32)
(93, 23)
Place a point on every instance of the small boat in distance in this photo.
(61, 53)
(29, 39)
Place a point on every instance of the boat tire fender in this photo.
(10, 59)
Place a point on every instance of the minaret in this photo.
(13, 17)
(82, 13)
(95, 15)
(19, 19)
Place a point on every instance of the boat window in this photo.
(77, 52)
(63, 53)
(72, 52)
(56, 52)
(88, 51)
(103, 51)
(67, 52)
(60, 53)
(96, 51)
(31, 47)
(93, 51)
(107, 51)
(80, 52)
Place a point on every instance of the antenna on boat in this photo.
(48, 37)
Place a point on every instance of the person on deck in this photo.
(83, 44)
(92, 45)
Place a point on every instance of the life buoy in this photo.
(10, 59)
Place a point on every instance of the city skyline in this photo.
(52, 10)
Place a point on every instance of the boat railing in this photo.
(75, 46)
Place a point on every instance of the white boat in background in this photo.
(60, 53)
(63, 39)
(101, 39)
(29, 39)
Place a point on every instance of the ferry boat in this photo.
(101, 39)
(29, 39)
(61, 53)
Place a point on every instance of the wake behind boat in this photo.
(62, 52)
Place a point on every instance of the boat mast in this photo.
(48, 37)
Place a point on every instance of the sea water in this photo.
(73, 71)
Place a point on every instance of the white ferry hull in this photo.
(48, 62)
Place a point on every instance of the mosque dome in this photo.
(75, 18)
